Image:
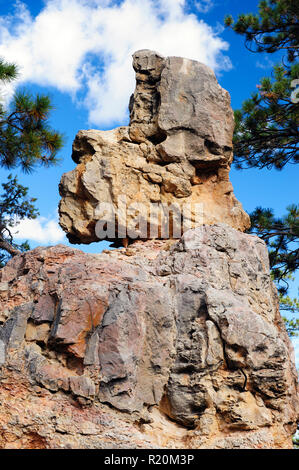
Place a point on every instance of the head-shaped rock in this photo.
(169, 166)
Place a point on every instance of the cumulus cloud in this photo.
(40, 230)
(203, 6)
(84, 47)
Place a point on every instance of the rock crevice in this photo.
(162, 344)
(159, 345)
(177, 150)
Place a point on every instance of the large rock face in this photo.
(164, 344)
(177, 151)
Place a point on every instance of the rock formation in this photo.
(165, 344)
(177, 151)
(161, 345)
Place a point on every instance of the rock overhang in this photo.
(177, 150)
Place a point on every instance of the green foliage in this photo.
(292, 325)
(14, 206)
(25, 136)
(281, 236)
(287, 304)
(26, 140)
(14, 202)
(8, 72)
(274, 28)
(266, 132)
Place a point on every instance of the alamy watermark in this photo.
(144, 221)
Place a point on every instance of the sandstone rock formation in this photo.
(177, 151)
(163, 345)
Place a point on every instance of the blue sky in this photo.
(78, 51)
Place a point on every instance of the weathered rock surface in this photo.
(164, 344)
(177, 150)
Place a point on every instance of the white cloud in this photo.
(265, 63)
(40, 230)
(203, 6)
(84, 47)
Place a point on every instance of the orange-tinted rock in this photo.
(177, 151)
(164, 344)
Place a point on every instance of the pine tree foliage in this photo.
(281, 236)
(25, 136)
(14, 206)
(267, 134)
(8, 72)
(26, 141)
(274, 28)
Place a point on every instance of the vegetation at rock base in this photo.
(26, 141)
(266, 133)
